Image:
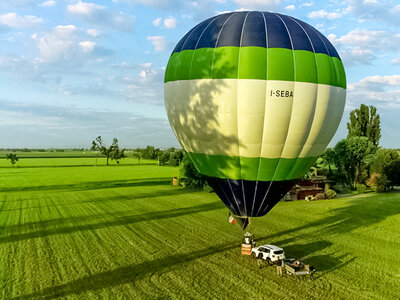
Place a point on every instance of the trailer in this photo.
(295, 267)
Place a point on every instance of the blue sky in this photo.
(72, 70)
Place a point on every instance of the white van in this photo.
(270, 253)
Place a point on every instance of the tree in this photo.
(352, 157)
(112, 152)
(164, 158)
(98, 145)
(328, 159)
(13, 158)
(386, 164)
(365, 121)
(194, 180)
(175, 157)
(150, 152)
(116, 153)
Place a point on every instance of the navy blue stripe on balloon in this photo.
(247, 198)
(258, 29)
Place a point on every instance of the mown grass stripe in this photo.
(282, 64)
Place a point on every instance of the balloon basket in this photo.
(246, 249)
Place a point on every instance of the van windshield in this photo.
(278, 252)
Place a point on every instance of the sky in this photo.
(73, 70)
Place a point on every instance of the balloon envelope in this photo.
(254, 98)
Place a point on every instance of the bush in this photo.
(173, 162)
(194, 180)
(330, 194)
(378, 182)
(361, 188)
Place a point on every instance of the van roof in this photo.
(272, 247)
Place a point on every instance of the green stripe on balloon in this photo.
(251, 168)
(256, 63)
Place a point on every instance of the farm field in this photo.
(83, 232)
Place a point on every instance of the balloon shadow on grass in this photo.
(128, 220)
(126, 274)
(92, 185)
(122, 197)
(74, 166)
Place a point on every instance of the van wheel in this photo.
(269, 261)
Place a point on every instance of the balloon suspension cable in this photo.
(241, 221)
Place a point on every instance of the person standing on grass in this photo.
(279, 265)
(259, 262)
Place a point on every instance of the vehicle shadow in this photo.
(303, 251)
(327, 263)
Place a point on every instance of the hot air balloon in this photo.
(254, 98)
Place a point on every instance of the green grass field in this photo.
(124, 232)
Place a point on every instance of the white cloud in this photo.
(64, 44)
(396, 61)
(87, 46)
(361, 46)
(382, 91)
(17, 21)
(385, 11)
(170, 22)
(258, 4)
(48, 3)
(198, 10)
(146, 86)
(377, 83)
(158, 41)
(143, 74)
(290, 7)
(93, 32)
(306, 4)
(146, 65)
(322, 14)
(157, 22)
(85, 8)
(100, 15)
(58, 44)
(357, 55)
(160, 4)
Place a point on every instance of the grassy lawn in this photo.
(124, 232)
